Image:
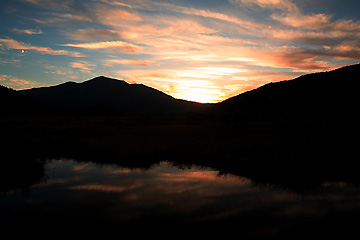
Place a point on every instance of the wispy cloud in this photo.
(89, 34)
(13, 44)
(286, 5)
(56, 18)
(84, 66)
(53, 4)
(28, 31)
(116, 3)
(107, 45)
(105, 188)
(115, 16)
(110, 62)
(59, 70)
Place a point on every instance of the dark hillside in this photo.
(103, 94)
(14, 103)
(332, 94)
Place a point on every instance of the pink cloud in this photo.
(58, 71)
(74, 17)
(319, 21)
(219, 16)
(90, 34)
(315, 21)
(28, 31)
(165, 27)
(116, 3)
(83, 66)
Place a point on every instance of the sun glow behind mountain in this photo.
(204, 51)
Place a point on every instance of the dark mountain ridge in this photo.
(16, 104)
(102, 94)
(331, 94)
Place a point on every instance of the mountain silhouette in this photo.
(332, 94)
(16, 104)
(102, 95)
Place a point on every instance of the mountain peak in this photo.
(103, 79)
(110, 94)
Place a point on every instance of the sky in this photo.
(204, 50)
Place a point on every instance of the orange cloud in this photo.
(129, 62)
(105, 188)
(107, 45)
(187, 176)
(13, 44)
(16, 83)
(288, 57)
(115, 16)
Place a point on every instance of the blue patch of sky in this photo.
(338, 9)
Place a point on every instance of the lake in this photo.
(167, 194)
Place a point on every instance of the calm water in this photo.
(74, 191)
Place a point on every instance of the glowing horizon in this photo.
(204, 51)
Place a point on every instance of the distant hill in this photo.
(103, 95)
(333, 94)
(14, 103)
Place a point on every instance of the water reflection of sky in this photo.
(164, 190)
(110, 193)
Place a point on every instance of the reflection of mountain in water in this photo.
(20, 174)
(93, 198)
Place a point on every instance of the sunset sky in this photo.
(203, 50)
